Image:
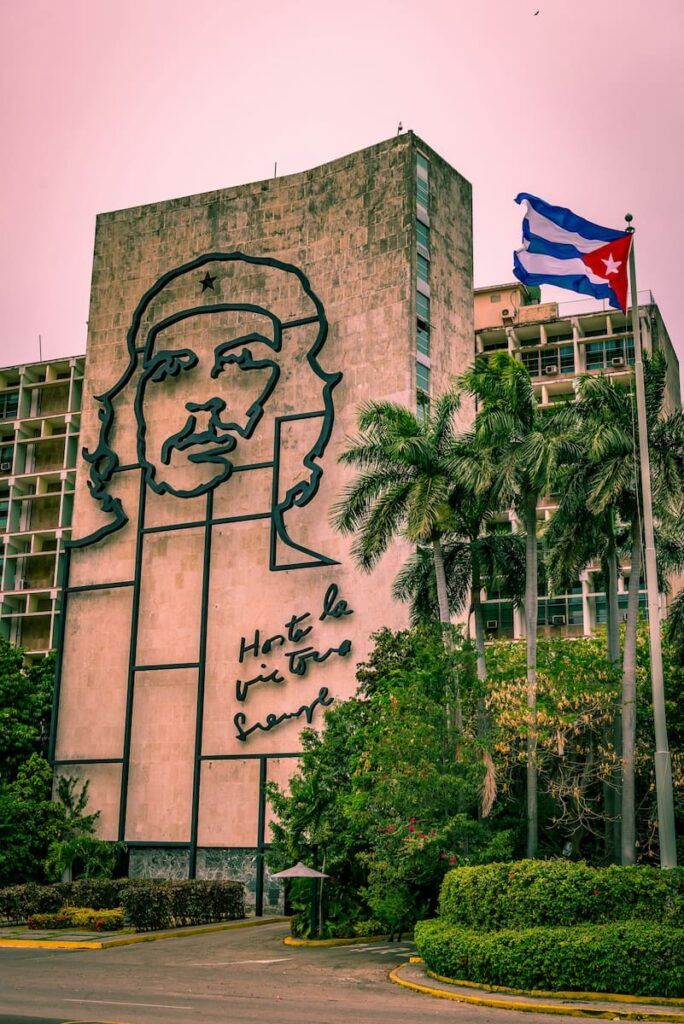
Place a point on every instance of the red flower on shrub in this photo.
(595, 892)
(412, 828)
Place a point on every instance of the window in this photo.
(567, 359)
(422, 192)
(549, 361)
(612, 352)
(423, 378)
(6, 456)
(495, 297)
(560, 611)
(9, 405)
(423, 235)
(4, 509)
(499, 612)
(423, 268)
(423, 323)
(530, 361)
(422, 164)
(423, 406)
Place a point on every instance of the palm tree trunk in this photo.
(628, 838)
(476, 585)
(440, 580)
(612, 788)
(613, 611)
(445, 619)
(531, 602)
(488, 794)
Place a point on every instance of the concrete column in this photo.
(588, 606)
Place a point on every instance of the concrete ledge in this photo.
(136, 937)
(414, 976)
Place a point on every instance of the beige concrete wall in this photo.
(349, 226)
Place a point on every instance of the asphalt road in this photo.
(235, 977)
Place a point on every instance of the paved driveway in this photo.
(235, 977)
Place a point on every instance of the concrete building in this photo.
(40, 407)
(211, 610)
(557, 341)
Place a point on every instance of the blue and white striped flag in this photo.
(568, 251)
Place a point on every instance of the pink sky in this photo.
(112, 103)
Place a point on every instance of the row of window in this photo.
(609, 354)
(423, 275)
(555, 611)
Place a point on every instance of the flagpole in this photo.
(663, 764)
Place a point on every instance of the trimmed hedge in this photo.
(18, 902)
(79, 917)
(154, 904)
(632, 957)
(148, 904)
(528, 893)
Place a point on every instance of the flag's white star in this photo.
(612, 266)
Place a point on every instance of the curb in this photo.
(289, 940)
(606, 997)
(509, 1004)
(130, 940)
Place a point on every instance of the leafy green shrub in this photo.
(97, 920)
(18, 902)
(106, 893)
(524, 894)
(632, 957)
(52, 920)
(152, 904)
(148, 904)
(79, 917)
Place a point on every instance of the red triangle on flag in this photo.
(610, 263)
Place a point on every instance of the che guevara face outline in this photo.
(103, 458)
(207, 431)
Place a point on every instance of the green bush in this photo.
(148, 904)
(158, 904)
(632, 957)
(524, 894)
(52, 920)
(97, 920)
(79, 917)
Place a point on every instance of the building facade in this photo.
(210, 609)
(556, 342)
(40, 406)
(181, 484)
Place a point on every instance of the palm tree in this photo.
(606, 410)
(514, 452)
(472, 561)
(402, 487)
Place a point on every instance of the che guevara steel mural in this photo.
(190, 449)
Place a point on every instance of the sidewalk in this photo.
(20, 937)
(413, 975)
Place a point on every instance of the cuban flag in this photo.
(566, 250)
